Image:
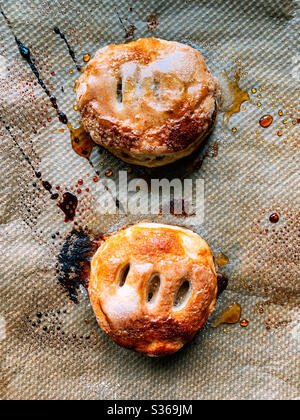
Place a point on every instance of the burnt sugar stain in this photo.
(69, 202)
(71, 52)
(75, 261)
(69, 205)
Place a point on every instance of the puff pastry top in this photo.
(147, 97)
(152, 287)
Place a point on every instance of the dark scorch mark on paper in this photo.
(75, 261)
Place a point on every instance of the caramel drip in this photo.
(231, 315)
(81, 141)
(236, 96)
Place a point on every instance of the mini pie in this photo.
(150, 102)
(152, 287)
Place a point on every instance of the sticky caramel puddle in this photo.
(231, 315)
(233, 96)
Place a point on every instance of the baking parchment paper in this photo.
(254, 173)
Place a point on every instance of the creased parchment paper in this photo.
(254, 173)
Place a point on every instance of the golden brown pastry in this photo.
(152, 287)
(150, 102)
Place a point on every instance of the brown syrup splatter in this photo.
(47, 186)
(244, 323)
(86, 58)
(81, 141)
(231, 315)
(71, 52)
(237, 96)
(266, 121)
(75, 259)
(274, 218)
(26, 54)
(69, 206)
(109, 173)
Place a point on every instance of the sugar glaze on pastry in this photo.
(152, 287)
(150, 102)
